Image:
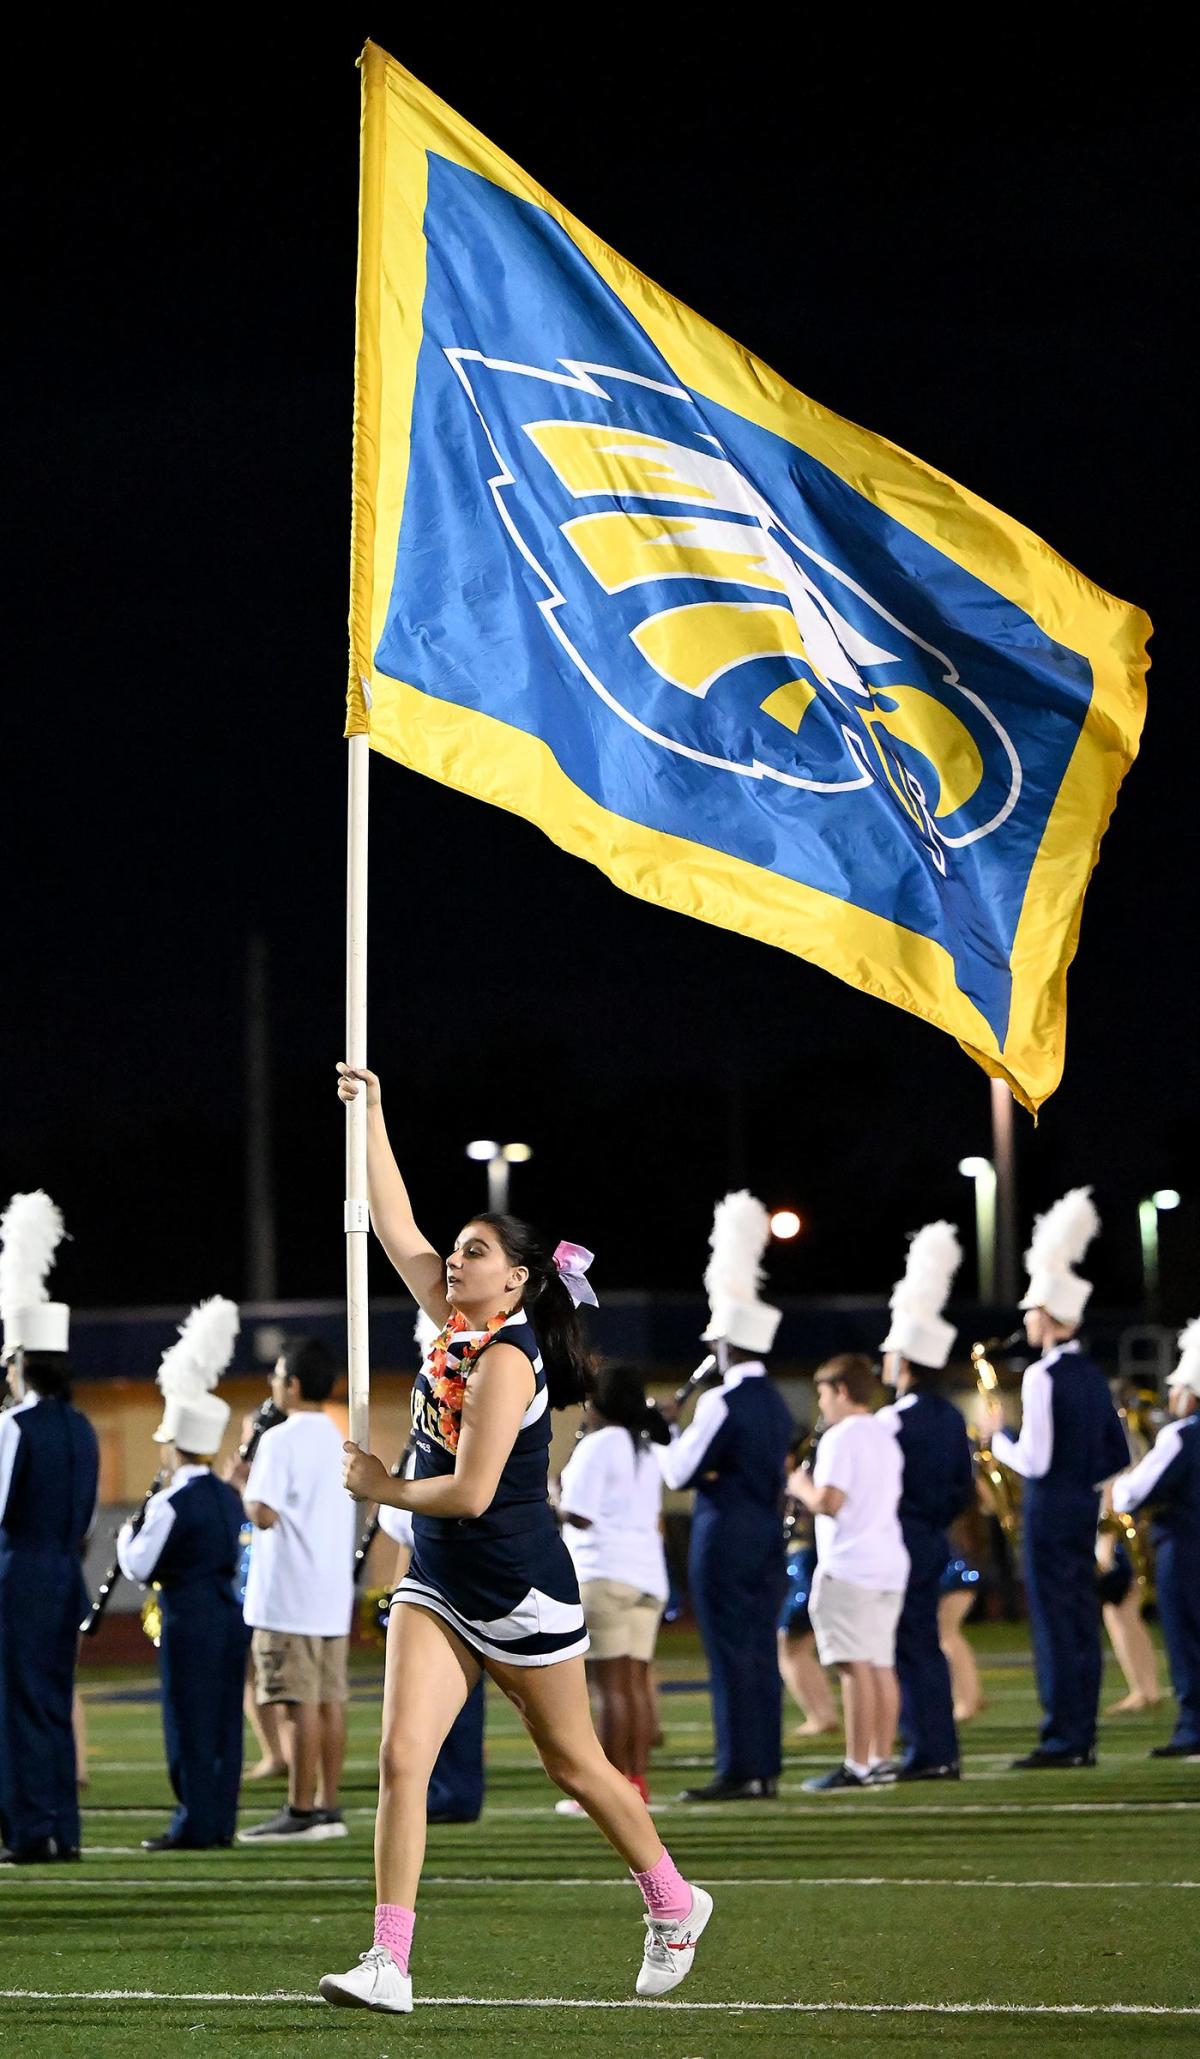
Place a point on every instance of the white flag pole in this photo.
(357, 1215)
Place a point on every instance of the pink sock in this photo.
(394, 1928)
(665, 1891)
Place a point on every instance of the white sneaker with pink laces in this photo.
(671, 1947)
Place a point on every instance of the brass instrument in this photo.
(1138, 1422)
(1002, 1491)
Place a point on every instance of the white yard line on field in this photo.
(280, 1995)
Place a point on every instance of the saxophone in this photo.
(1002, 1491)
(1137, 1421)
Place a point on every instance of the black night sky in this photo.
(989, 273)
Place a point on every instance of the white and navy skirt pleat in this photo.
(504, 1582)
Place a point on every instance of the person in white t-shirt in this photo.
(610, 1505)
(300, 1589)
(853, 1490)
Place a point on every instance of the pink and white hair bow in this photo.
(572, 1261)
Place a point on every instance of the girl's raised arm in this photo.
(418, 1264)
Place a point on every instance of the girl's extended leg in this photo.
(427, 1678)
(552, 1702)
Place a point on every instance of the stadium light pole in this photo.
(983, 1173)
(498, 1158)
(1161, 1202)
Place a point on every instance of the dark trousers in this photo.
(736, 1581)
(41, 1602)
(926, 1701)
(203, 1655)
(456, 1783)
(1177, 1583)
(1064, 1618)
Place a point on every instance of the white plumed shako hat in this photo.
(194, 1418)
(31, 1230)
(740, 1233)
(918, 1329)
(1187, 1372)
(1060, 1238)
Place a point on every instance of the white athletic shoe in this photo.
(569, 1807)
(375, 1983)
(671, 1947)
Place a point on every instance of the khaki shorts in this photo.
(622, 1622)
(290, 1667)
(853, 1624)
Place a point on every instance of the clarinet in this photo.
(266, 1419)
(371, 1527)
(112, 1578)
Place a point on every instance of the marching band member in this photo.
(939, 1483)
(1167, 1482)
(1071, 1442)
(49, 1466)
(187, 1542)
(610, 1506)
(853, 1490)
(734, 1453)
(491, 1586)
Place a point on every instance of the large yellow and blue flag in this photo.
(757, 664)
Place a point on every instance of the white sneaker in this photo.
(375, 1983)
(569, 1807)
(671, 1947)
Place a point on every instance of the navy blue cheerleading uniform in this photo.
(189, 1544)
(1071, 1441)
(939, 1483)
(503, 1581)
(49, 1465)
(1167, 1482)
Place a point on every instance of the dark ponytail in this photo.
(619, 1395)
(550, 1309)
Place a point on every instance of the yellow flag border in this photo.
(462, 748)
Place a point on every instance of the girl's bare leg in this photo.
(427, 1678)
(552, 1702)
(1135, 1653)
(642, 1716)
(610, 1683)
(953, 1610)
(267, 1725)
(804, 1677)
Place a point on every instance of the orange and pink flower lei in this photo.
(448, 1387)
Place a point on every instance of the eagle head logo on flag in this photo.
(759, 665)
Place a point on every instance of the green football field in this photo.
(1049, 1913)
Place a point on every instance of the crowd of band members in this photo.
(882, 1593)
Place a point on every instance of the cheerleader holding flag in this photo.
(49, 1465)
(490, 1587)
(186, 1541)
